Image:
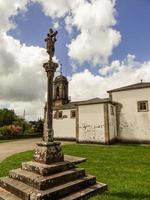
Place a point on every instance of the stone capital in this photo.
(50, 68)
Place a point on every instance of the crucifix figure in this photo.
(50, 42)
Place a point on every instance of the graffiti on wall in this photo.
(90, 132)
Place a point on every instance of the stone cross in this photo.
(49, 151)
(50, 68)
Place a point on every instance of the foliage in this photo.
(26, 127)
(3, 131)
(17, 124)
(37, 126)
(10, 131)
(6, 117)
(125, 168)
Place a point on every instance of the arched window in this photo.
(57, 92)
(65, 92)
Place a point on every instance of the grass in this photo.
(19, 139)
(4, 141)
(125, 168)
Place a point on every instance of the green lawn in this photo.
(4, 141)
(125, 168)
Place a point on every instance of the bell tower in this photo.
(60, 85)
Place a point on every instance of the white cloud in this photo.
(86, 85)
(94, 20)
(33, 110)
(97, 38)
(53, 8)
(8, 9)
(22, 80)
(21, 70)
(94, 46)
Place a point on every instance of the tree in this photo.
(37, 126)
(6, 117)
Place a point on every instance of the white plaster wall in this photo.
(65, 127)
(112, 122)
(91, 123)
(134, 125)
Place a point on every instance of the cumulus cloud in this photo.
(94, 21)
(97, 38)
(22, 78)
(21, 70)
(86, 85)
(116, 65)
(8, 9)
(33, 110)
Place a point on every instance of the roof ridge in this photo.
(131, 86)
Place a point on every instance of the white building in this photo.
(124, 116)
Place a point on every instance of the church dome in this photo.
(60, 78)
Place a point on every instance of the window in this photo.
(73, 114)
(55, 115)
(111, 110)
(60, 114)
(142, 106)
(57, 92)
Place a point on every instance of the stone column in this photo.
(50, 69)
(49, 151)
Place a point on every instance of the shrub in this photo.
(6, 117)
(10, 131)
(3, 131)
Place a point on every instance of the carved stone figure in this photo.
(50, 42)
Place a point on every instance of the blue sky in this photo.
(134, 25)
(132, 22)
(108, 47)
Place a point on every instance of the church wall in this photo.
(112, 122)
(133, 125)
(65, 127)
(91, 123)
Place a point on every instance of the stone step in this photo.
(5, 195)
(87, 192)
(44, 169)
(65, 189)
(26, 192)
(44, 182)
(17, 188)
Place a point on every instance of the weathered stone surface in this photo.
(64, 189)
(17, 188)
(48, 152)
(5, 195)
(74, 159)
(44, 182)
(87, 192)
(37, 181)
(26, 192)
(45, 169)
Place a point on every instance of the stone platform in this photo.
(60, 180)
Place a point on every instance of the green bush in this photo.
(10, 131)
(3, 131)
(6, 117)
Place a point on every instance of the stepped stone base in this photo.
(60, 180)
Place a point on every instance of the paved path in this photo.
(10, 148)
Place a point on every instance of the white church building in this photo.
(124, 116)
